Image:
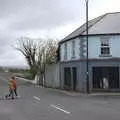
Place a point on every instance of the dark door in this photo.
(74, 70)
(97, 76)
(114, 77)
(67, 78)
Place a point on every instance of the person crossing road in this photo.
(12, 88)
(14, 85)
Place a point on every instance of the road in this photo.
(38, 103)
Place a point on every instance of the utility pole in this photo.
(87, 69)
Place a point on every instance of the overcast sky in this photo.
(43, 19)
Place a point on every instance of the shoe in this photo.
(18, 96)
(6, 96)
(12, 98)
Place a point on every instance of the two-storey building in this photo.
(103, 55)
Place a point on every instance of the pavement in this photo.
(37, 103)
(73, 93)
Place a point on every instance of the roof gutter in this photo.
(103, 34)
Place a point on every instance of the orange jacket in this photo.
(10, 84)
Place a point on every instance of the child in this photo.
(11, 88)
(14, 85)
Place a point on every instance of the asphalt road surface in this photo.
(38, 103)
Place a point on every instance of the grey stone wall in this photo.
(81, 75)
(52, 76)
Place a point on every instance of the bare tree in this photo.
(28, 48)
(47, 54)
(51, 51)
(38, 53)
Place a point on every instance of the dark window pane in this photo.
(105, 50)
(73, 49)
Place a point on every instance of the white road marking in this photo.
(37, 98)
(58, 108)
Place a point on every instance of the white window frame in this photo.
(105, 46)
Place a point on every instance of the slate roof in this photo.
(108, 23)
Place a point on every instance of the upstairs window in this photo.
(73, 49)
(105, 47)
(65, 51)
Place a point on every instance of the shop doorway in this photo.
(70, 78)
(105, 77)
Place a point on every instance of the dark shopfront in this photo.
(105, 78)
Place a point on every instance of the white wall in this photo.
(94, 47)
(115, 46)
(94, 50)
(77, 48)
(69, 50)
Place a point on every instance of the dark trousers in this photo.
(11, 94)
(15, 92)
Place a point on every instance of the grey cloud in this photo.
(12, 58)
(41, 14)
(18, 17)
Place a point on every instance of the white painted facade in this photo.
(69, 50)
(77, 48)
(115, 46)
(94, 48)
(62, 52)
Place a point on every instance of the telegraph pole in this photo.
(87, 69)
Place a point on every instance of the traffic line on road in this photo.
(37, 98)
(58, 108)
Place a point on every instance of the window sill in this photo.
(72, 58)
(105, 55)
